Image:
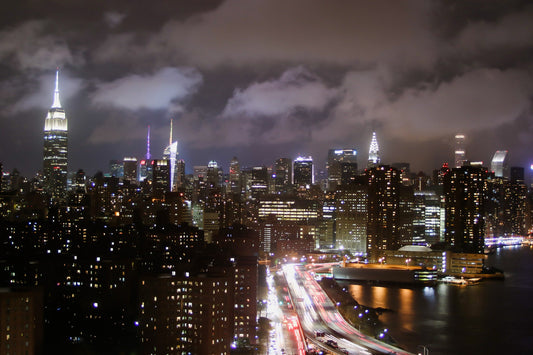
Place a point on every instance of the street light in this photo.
(425, 350)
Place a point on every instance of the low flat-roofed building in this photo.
(417, 255)
(445, 262)
(465, 263)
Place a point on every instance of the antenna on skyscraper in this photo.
(148, 156)
(56, 103)
(170, 138)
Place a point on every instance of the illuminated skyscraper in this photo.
(460, 153)
(148, 155)
(170, 153)
(303, 172)
(383, 228)
(465, 209)
(116, 168)
(499, 164)
(283, 172)
(352, 216)
(235, 176)
(161, 178)
(55, 149)
(427, 217)
(259, 183)
(180, 173)
(130, 169)
(342, 167)
(373, 153)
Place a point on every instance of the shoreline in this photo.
(365, 318)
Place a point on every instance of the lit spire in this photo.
(148, 155)
(373, 152)
(57, 103)
(170, 138)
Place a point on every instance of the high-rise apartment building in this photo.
(186, 314)
(383, 225)
(242, 244)
(55, 149)
(352, 217)
(505, 207)
(464, 207)
(21, 321)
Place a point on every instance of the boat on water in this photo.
(460, 281)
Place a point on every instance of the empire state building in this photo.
(55, 149)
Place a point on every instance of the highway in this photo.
(322, 324)
(285, 336)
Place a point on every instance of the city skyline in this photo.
(305, 78)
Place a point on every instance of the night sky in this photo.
(264, 79)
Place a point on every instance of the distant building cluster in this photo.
(169, 262)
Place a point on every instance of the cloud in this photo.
(113, 18)
(513, 31)
(298, 107)
(242, 32)
(477, 100)
(41, 92)
(296, 89)
(28, 46)
(158, 91)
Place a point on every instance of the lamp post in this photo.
(425, 350)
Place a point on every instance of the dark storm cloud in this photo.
(242, 32)
(30, 46)
(271, 77)
(512, 31)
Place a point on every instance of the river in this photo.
(492, 317)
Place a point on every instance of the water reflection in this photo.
(492, 317)
(380, 296)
